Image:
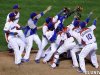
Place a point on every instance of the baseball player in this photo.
(51, 36)
(75, 33)
(76, 29)
(17, 15)
(30, 33)
(50, 22)
(58, 27)
(90, 46)
(68, 43)
(13, 39)
(44, 39)
(16, 12)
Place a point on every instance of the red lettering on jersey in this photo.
(83, 30)
(75, 28)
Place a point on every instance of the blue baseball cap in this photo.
(50, 26)
(16, 6)
(48, 19)
(11, 15)
(76, 23)
(33, 14)
(82, 24)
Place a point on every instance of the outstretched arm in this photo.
(48, 9)
(93, 27)
(88, 18)
(44, 12)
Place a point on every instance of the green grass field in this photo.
(27, 6)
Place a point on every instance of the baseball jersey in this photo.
(51, 25)
(16, 17)
(87, 35)
(61, 36)
(11, 27)
(31, 27)
(45, 28)
(51, 36)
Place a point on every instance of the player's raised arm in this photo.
(89, 16)
(62, 12)
(44, 12)
(48, 9)
(93, 27)
(78, 9)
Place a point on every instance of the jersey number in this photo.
(89, 36)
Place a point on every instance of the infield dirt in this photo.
(7, 67)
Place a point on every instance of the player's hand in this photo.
(15, 33)
(91, 12)
(49, 8)
(75, 16)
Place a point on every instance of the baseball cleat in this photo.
(25, 60)
(37, 61)
(80, 70)
(53, 65)
(44, 62)
(74, 66)
(19, 63)
(96, 67)
(11, 50)
(58, 62)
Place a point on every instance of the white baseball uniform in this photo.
(75, 33)
(51, 35)
(41, 52)
(15, 21)
(89, 39)
(31, 36)
(15, 42)
(44, 42)
(68, 44)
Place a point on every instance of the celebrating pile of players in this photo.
(76, 39)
